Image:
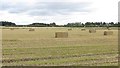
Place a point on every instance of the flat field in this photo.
(40, 47)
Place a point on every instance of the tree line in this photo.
(6, 23)
(75, 24)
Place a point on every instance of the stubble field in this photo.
(40, 47)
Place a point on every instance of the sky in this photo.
(23, 12)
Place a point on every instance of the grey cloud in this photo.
(14, 8)
(47, 8)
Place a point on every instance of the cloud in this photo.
(13, 7)
(46, 8)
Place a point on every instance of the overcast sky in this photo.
(58, 11)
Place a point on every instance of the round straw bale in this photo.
(69, 29)
(11, 28)
(108, 32)
(92, 31)
(109, 28)
(61, 34)
(31, 29)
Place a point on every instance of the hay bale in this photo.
(11, 28)
(69, 29)
(108, 32)
(83, 29)
(31, 29)
(109, 28)
(92, 31)
(61, 34)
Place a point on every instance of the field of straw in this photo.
(41, 48)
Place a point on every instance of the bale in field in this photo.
(69, 29)
(92, 31)
(83, 29)
(109, 28)
(11, 28)
(31, 29)
(61, 34)
(108, 32)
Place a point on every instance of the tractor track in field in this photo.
(57, 57)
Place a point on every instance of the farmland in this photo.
(40, 47)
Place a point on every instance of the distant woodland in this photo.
(75, 24)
